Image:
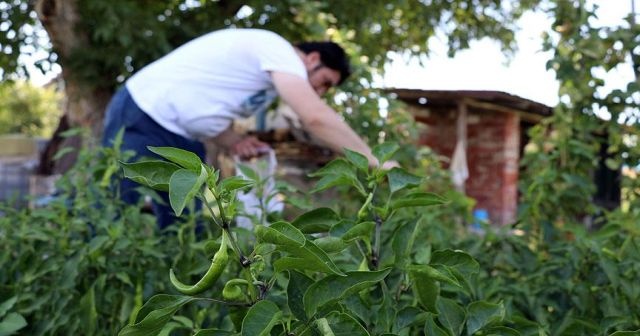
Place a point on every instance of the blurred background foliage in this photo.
(29, 109)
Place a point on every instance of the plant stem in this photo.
(304, 327)
(225, 222)
(362, 251)
(213, 215)
(375, 257)
(228, 303)
(244, 262)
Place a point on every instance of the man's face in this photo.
(321, 77)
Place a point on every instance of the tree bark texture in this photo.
(85, 104)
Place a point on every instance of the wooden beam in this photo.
(524, 115)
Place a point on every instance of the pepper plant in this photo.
(321, 273)
(80, 262)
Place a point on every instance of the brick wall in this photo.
(492, 155)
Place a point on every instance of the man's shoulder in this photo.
(257, 32)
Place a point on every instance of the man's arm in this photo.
(317, 117)
(242, 146)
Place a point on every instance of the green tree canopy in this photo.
(27, 109)
(115, 38)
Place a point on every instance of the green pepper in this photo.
(362, 213)
(218, 264)
(232, 290)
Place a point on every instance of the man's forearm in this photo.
(227, 139)
(337, 135)
(317, 117)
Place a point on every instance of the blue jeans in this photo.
(141, 131)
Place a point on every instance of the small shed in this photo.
(491, 128)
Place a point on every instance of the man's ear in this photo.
(312, 59)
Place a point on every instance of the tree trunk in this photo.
(85, 105)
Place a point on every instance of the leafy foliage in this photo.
(84, 263)
(364, 274)
(382, 266)
(375, 270)
(29, 110)
(590, 119)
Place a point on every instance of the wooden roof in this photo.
(493, 100)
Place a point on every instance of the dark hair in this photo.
(331, 55)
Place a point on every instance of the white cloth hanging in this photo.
(459, 168)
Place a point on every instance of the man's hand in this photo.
(249, 147)
(390, 164)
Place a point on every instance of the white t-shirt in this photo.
(198, 89)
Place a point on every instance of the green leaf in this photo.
(260, 319)
(342, 227)
(319, 260)
(117, 140)
(181, 157)
(626, 333)
(62, 152)
(97, 243)
(124, 278)
(385, 311)
(481, 314)
(611, 269)
(316, 221)
(426, 288)
(336, 167)
(330, 244)
(458, 260)
(442, 275)
(280, 233)
(384, 151)
(184, 321)
(361, 230)
(502, 331)
(153, 174)
(333, 288)
(7, 305)
(451, 315)
(12, 323)
(249, 172)
(329, 181)
(402, 243)
(340, 324)
(431, 328)
(234, 183)
(417, 199)
(409, 316)
(72, 132)
(297, 286)
(358, 160)
(169, 328)
(399, 179)
(335, 173)
(309, 257)
(526, 327)
(184, 185)
(213, 332)
(359, 307)
(613, 321)
(154, 314)
(306, 255)
(89, 311)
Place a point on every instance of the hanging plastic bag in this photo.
(261, 197)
